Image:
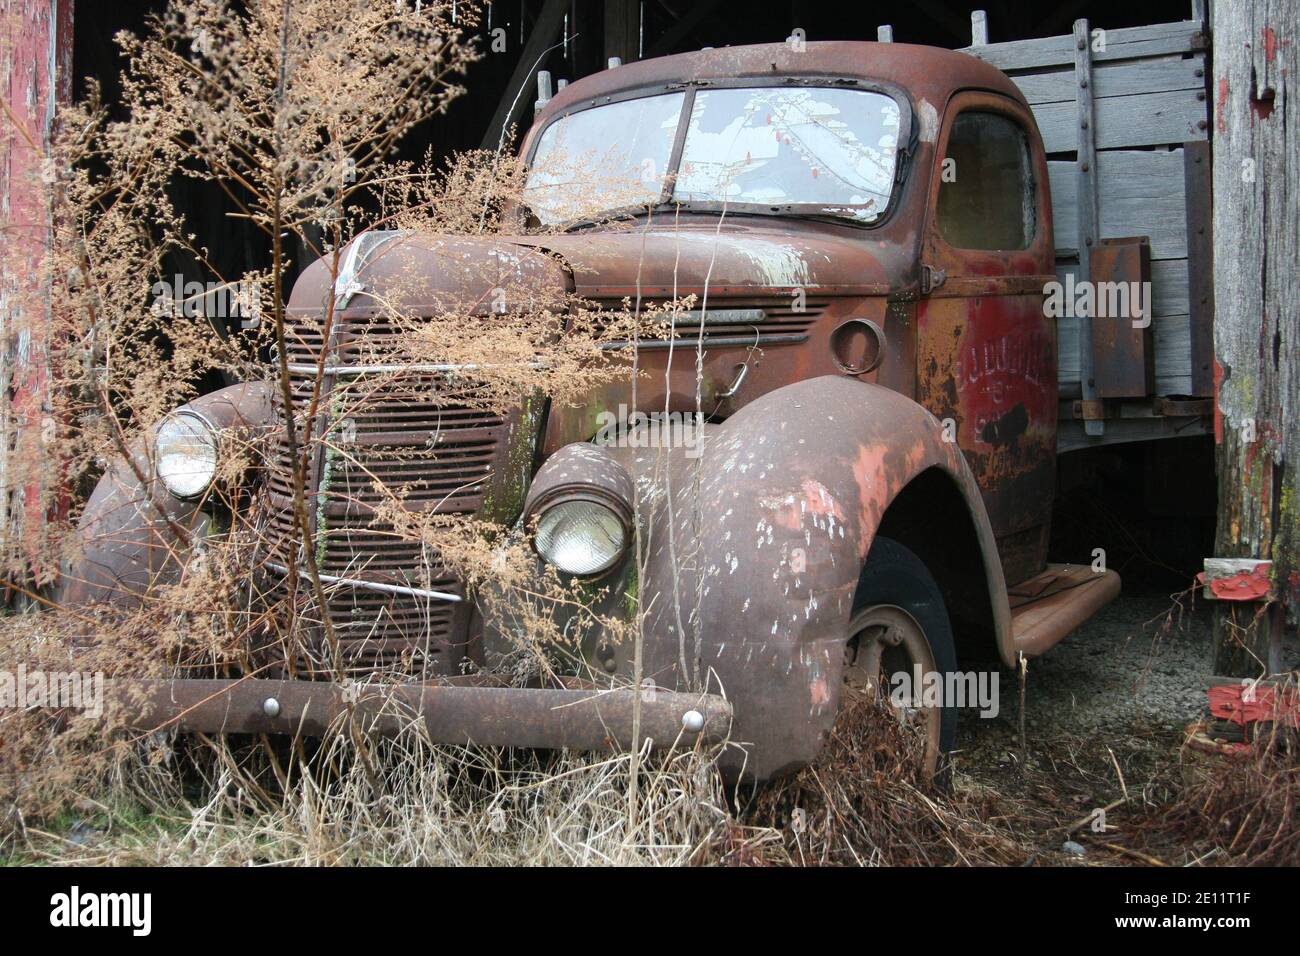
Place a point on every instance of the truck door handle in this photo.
(931, 279)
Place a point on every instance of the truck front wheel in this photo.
(899, 633)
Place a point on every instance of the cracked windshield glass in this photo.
(604, 159)
(830, 151)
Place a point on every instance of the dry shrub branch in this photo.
(288, 113)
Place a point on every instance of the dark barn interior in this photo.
(589, 32)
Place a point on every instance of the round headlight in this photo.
(185, 454)
(580, 537)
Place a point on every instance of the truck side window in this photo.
(986, 189)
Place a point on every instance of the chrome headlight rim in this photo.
(591, 495)
(582, 473)
(550, 508)
(208, 431)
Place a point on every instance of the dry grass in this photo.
(395, 801)
(355, 800)
(866, 801)
(1243, 811)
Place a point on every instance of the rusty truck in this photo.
(870, 232)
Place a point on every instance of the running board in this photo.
(1046, 608)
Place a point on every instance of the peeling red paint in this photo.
(37, 77)
(1244, 704)
(1221, 105)
(1270, 44)
(1266, 439)
(1252, 585)
(1261, 106)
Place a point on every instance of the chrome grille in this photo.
(414, 437)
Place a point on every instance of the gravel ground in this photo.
(1134, 675)
(1105, 712)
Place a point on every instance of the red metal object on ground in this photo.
(1250, 702)
(1237, 580)
(1243, 712)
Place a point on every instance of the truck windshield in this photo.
(807, 149)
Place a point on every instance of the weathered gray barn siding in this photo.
(1257, 304)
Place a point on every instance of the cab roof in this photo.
(928, 74)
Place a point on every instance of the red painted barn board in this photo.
(36, 63)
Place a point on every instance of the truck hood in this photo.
(418, 272)
(737, 258)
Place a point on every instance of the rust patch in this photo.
(1007, 428)
(819, 501)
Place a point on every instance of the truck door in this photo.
(986, 353)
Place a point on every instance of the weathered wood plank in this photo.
(1125, 78)
(1168, 284)
(1257, 308)
(512, 109)
(1200, 265)
(1141, 193)
(1171, 336)
(1084, 123)
(1153, 119)
(622, 30)
(1155, 40)
(1070, 435)
(36, 71)
(681, 28)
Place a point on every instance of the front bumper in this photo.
(453, 711)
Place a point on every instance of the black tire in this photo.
(894, 575)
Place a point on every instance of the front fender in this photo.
(753, 550)
(135, 535)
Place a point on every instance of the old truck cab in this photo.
(886, 216)
(866, 230)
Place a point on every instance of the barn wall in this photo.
(36, 71)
